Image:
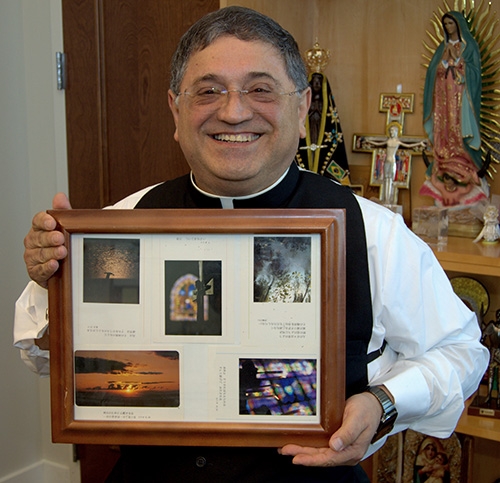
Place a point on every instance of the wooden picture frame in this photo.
(108, 332)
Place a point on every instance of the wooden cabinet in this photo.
(463, 257)
(479, 426)
(480, 261)
(480, 436)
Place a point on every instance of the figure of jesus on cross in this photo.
(388, 191)
(391, 166)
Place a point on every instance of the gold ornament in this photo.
(317, 58)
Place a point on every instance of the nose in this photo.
(235, 108)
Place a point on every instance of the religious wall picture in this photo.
(193, 297)
(430, 459)
(278, 386)
(413, 457)
(208, 326)
(282, 269)
(111, 270)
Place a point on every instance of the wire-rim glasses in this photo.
(213, 98)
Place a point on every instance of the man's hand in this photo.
(350, 442)
(44, 247)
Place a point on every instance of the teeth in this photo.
(236, 138)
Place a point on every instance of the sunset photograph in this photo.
(127, 378)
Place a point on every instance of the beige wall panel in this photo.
(375, 45)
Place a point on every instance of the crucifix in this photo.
(392, 152)
(203, 290)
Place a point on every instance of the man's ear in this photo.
(175, 111)
(305, 103)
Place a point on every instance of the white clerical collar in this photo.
(227, 201)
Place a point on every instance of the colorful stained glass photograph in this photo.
(193, 297)
(278, 386)
(111, 270)
(282, 269)
(127, 378)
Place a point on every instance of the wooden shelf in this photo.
(479, 426)
(465, 256)
(462, 255)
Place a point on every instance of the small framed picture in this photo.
(198, 327)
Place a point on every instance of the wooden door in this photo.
(119, 126)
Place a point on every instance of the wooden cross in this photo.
(395, 105)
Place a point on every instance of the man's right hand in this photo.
(44, 246)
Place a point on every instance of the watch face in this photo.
(385, 426)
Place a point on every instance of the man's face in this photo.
(235, 151)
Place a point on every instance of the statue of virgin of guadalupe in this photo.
(452, 103)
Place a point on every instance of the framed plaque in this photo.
(198, 327)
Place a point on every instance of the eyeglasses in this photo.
(212, 98)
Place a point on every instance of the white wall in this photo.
(33, 168)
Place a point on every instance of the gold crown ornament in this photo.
(317, 58)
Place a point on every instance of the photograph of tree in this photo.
(282, 269)
(111, 270)
(278, 387)
(193, 297)
(127, 378)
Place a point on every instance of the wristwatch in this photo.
(389, 412)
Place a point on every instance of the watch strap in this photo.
(389, 412)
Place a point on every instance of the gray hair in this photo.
(244, 24)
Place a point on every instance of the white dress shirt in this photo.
(433, 360)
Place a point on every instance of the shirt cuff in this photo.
(30, 323)
(37, 360)
(411, 394)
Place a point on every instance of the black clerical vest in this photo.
(303, 189)
(299, 189)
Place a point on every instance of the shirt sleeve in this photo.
(433, 360)
(30, 323)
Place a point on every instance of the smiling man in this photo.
(239, 97)
(242, 141)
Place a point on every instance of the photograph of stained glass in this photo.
(193, 297)
(127, 378)
(111, 270)
(282, 269)
(278, 387)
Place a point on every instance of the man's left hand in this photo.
(349, 443)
